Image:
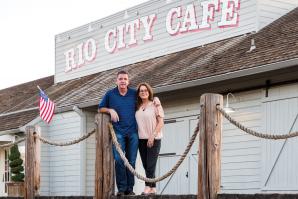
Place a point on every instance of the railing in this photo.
(209, 163)
(104, 162)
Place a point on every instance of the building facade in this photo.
(183, 49)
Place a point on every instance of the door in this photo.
(2, 160)
(280, 159)
(4, 171)
(177, 133)
(193, 158)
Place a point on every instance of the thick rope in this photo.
(157, 179)
(252, 132)
(13, 143)
(65, 143)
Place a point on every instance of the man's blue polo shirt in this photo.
(125, 106)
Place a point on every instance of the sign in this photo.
(176, 22)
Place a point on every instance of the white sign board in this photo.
(168, 29)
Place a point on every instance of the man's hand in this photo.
(156, 101)
(114, 115)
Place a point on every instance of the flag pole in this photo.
(39, 88)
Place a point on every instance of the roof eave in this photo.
(229, 75)
(10, 131)
(203, 81)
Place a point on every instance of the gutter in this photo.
(10, 131)
(19, 111)
(229, 75)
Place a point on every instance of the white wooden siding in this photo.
(270, 10)
(139, 184)
(280, 160)
(60, 166)
(90, 168)
(44, 161)
(162, 42)
(241, 153)
(245, 158)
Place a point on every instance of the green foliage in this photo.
(17, 169)
(18, 178)
(15, 163)
(14, 153)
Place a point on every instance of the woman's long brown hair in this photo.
(150, 91)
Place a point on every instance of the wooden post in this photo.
(104, 161)
(37, 162)
(209, 168)
(29, 163)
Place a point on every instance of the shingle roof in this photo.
(17, 98)
(17, 120)
(275, 43)
(21, 94)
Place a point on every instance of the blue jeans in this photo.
(129, 145)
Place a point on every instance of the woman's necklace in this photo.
(144, 106)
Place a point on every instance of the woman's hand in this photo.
(150, 141)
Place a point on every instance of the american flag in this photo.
(46, 107)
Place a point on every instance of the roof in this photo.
(275, 43)
(17, 98)
(17, 120)
(21, 94)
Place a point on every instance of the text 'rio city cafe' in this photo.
(124, 36)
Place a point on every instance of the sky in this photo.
(28, 29)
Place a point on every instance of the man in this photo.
(120, 103)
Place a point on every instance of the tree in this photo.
(16, 164)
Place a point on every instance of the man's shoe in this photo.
(120, 193)
(130, 193)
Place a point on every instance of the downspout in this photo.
(83, 145)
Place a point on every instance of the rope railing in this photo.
(50, 142)
(139, 176)
(67, 143)
(254, 133)
(8, 145)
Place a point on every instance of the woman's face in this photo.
(143, 92)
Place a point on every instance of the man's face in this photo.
(122, 81)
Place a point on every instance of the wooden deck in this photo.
(220, 196)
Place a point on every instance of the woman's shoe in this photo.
(152, 191)
(145, 194)
(146, 191)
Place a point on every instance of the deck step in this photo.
(257, 196)
(114, 197)
(220, 196)
(157, 197)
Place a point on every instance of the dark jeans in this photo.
(149, 158)
(129, 145)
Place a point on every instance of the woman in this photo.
(149, 118)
